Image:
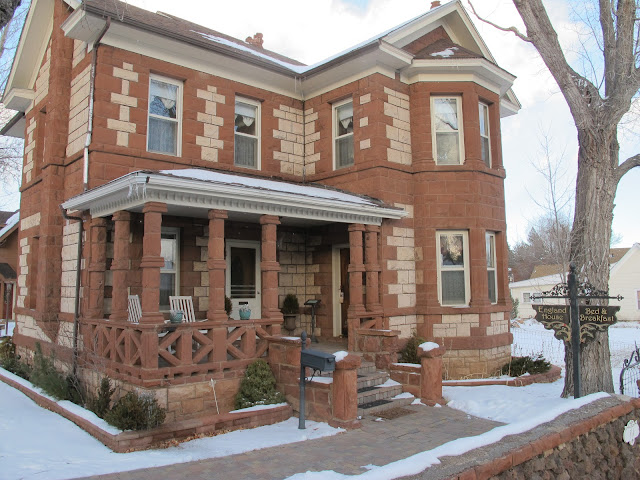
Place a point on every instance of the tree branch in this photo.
(513, 30)
(627, 165)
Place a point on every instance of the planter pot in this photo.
(244, 314)
(175, 317)
(290, 321)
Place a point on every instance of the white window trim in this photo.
(483, 107)
(526, 297)
(334, 136)
(492, 235)
(173, 231)
(178, 118)
(441, 268)
(434, 144)
(638, 299)
(258, 135)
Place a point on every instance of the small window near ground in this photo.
(247, 134)
(491, 267)
(453, 268)
(484, 134)
(169, 273)
(164, 127)
(343, 134)
(446, 125)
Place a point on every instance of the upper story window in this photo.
(446, 127)
(170, 272)
(165, 114)
(453, 267)
(247, 133)
(490, 239)
(343, 134)
(484, 134)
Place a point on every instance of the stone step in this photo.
(378, 406)
(372, 394)
(372, 379)
(366, 368)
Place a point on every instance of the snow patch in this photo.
(428, 346)
(445, 53)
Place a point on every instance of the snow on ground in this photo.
(40, 439)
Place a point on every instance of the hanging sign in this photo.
(595, 318)
(556, 318)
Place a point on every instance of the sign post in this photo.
(575, 324)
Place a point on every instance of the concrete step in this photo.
(372, 394)
(381, 405)
(372, 379)
(366, 368)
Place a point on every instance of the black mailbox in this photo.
(325, 362)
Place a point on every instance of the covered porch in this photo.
(210, 235)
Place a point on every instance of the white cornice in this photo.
(132, 191)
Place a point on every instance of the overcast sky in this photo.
(310, 31)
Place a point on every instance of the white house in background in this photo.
(624, 280)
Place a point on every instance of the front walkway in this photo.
(376, 443)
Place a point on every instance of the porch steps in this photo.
(372, 396)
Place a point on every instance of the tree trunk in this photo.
(590, 242)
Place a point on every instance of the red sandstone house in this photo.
(200, 165)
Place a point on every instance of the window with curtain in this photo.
(453, 268)
(247, 134)
(169, 273)
(446, 119)
(491, 267)
(163, 133)
(484, 134)
(343, 134)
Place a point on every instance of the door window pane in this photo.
(243, 272)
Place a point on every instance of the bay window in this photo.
(446, 127)
(453, 267)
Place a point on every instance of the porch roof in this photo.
(193, 192)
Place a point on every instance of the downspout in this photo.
(85, 186)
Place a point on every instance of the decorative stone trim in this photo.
(404, 264)
(122, 124)
(69, 258)
(311, 136)
(399, 131)
(456, 325)
(291, 133)
(42, 81)
(79, 111)
(29, 147)
(209, 141)
(79, 52)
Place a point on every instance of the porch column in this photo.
(152, 262)
(216, 265)
(269, 268)
(97, 267)
(478, 268)
(356, 268)
(120, 266)
(374, 307)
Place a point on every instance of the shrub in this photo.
(290, 305)
(228, 306)
(520, 365)
(45, 376)
(10, 361)
(100, 403)
(514, 307)
(258, 387)
(409, 354)
(136, 411)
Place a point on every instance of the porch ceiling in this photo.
(193, 192)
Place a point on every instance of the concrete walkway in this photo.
(376, 443)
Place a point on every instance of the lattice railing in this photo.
(148, 353)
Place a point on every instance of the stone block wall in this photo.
(474, 363)
(209, 141)
(123, 101)
(398, 133)
(79, 111)
(290, 132)
(69, 265)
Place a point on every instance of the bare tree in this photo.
(7, 9)
(598, 101)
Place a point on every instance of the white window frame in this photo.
(257, 136)
(176, 270)
(490, 237)
(444, 268)
(178, 118)
(526, 297)
(335, 137)
(483, 108)
(434, 133)
(638, 299)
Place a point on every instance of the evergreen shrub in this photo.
(258, 387)
(135, 411)
(409, 354)
(100, 403)
(520, 365)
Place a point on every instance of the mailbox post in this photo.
(318, 361)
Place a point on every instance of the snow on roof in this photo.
(12, 221)
(538, 281)
(447, 52)
(273, 185)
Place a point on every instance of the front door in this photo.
(243, 276)
(341, 290)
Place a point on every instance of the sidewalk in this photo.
(376, 443)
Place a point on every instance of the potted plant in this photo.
(228, 306)
(244, 311)
(290, 309)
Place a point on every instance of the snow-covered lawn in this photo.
(44, 445)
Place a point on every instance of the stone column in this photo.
(152, 262)
(479, 295)
(373, 272)
(217, 266)
(345, 393)
(120, 266)
(431, 375)
(356, 268)
(97, 267)
(269, 267)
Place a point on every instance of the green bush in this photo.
(228, 306)
(409, 354)
(514, 307)
(136, 411)
(10, 361)
(520, 365)
(258, 387)
(100, 403)
(45, 376)
(290, 305)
